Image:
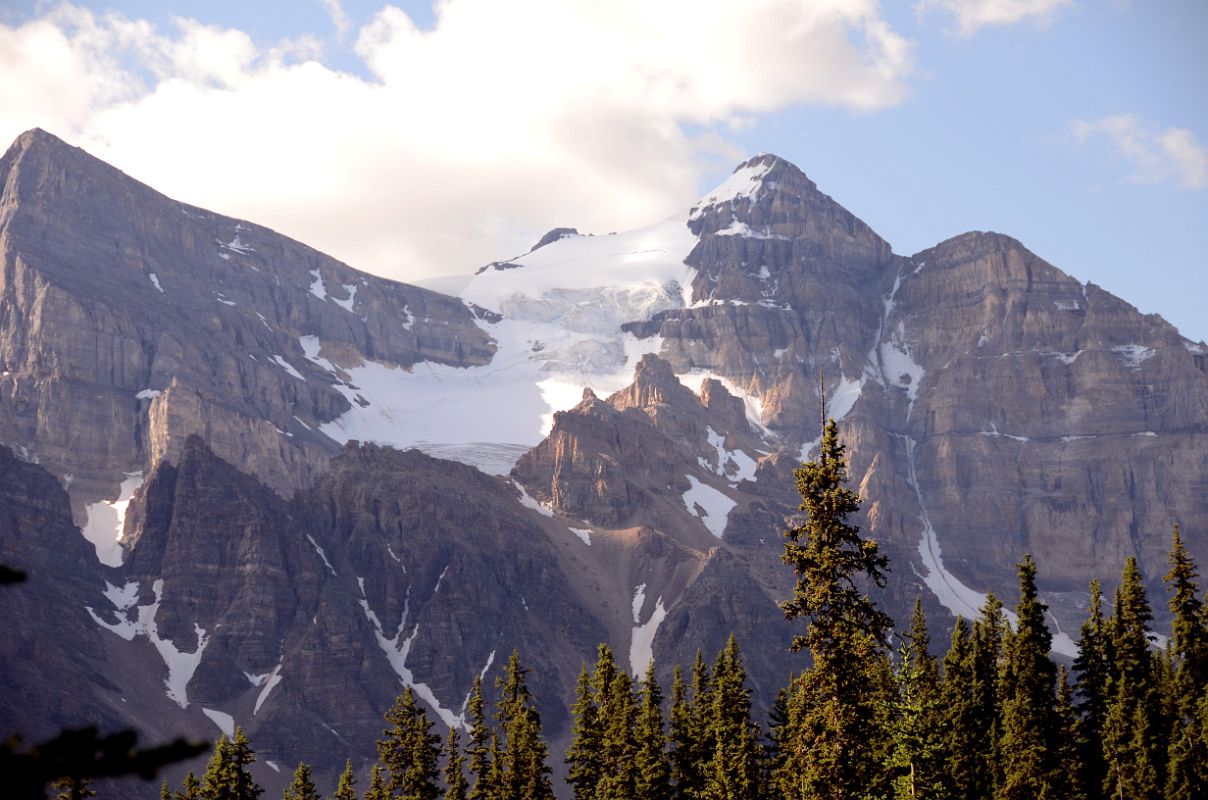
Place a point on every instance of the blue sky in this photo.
(1081, 130)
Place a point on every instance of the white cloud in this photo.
(1155, 154)
(974, 14)
(470, 139)
(339, 19)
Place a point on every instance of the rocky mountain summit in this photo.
(254, 486)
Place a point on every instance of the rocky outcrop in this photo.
(129, 321)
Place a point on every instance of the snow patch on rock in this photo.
(397, 648)
(746, 181)
(288, 367)
(641, 642)
(322, 555)
(224, 721)
(106, 521)
(181, 666)
(710, 505)
(1134, 355)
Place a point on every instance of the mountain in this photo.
(255, 486)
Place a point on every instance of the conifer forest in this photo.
(876, 711)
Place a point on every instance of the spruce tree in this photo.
(346, 788)
(689, 735)
(520, 762)
(776, 748)
(1066, 781)
(455, 776)
(409, 751)
(583, 754)
(652, 767)
(1028, 685)
(618, 744)
(303, 786)
(964, 766)
(1187, 768)
(1130, 734)
(478, 746)
(989, 632)
(228, 775)
(377, 785)
(836, 750)
(1091, 668)
(914, 719)
(733, 771)
(190, 788)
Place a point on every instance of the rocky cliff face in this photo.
(129, 321)
(637, 403)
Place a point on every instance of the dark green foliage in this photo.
(914, 721)
(733, 770)
(828, 555)
(1092, 671)
(964, 767)
(837, 747)
(520, 756)
(988, 635)
(478, 747)
(1027, 686)
(652, 765)
(689, 735)
(455, 776)
(1066, 781)
(1187, 754)
(1130, 730)
(409, 751)
(618, 745)
(583, 754)
(303, 786)
(377, 785)
(228, 775)
(346, 788)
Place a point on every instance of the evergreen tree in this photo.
(689, 735)
(346, 788)
(455, 777)
(989, 632)
(227, 773)
(1091, 667)
(1066, 782)
(618, 745)
(836, 745)
(652, 767)
(409, 751)
(1028, 683)
(377, 785)
(733, 772)
(478, 747)
(964, 767)
(190, 789)
(521, 755)
(583, 754)
(303, 786)
(914, 719)
(1129, 731)
(1187, 769)
(778, 735)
